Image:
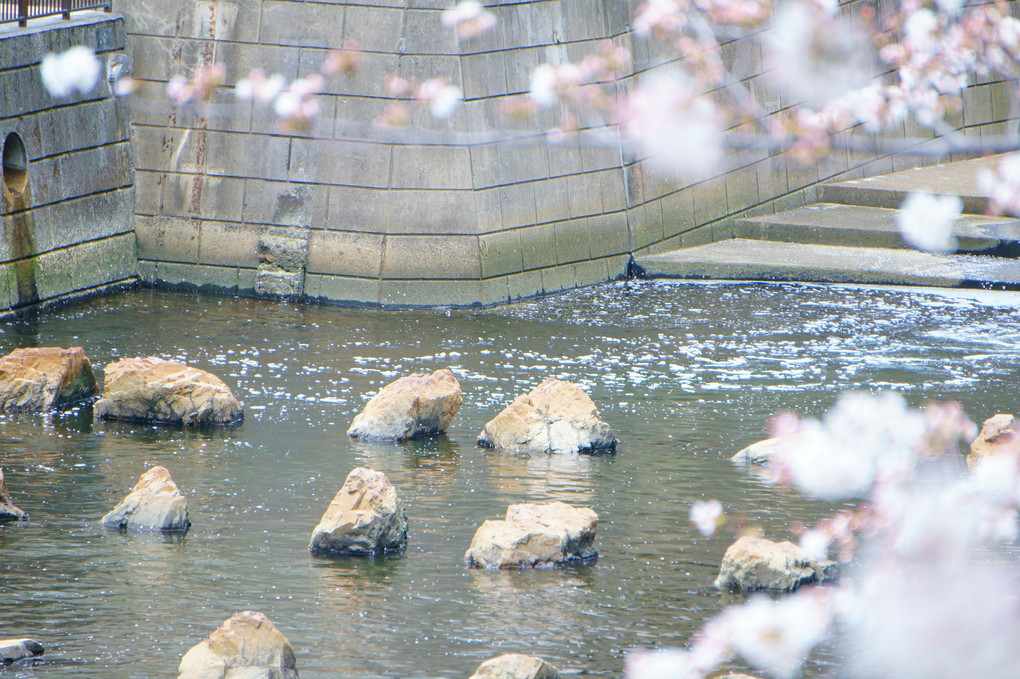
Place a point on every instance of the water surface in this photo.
(686, 374)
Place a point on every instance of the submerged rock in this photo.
(247, 646)
(756, 563)
(155, 503)
(365, 517)
(8, 512)
(998, 435)
(535, 535)
(554, 417)
(13, 650)
(515, 666)
(415, 405)
(156, 390)
(43, 378)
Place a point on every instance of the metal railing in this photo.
(23, 10)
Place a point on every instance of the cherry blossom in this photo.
(926, 221)
(346, 60)
(297, 106)
(260, 88)
(861, 440)
(180, 90)
(469, 18)
(706, 516)
(667, 663)
(777, 636)
(440, 96)
(1002, 185)
(815, 544)
(74, 70)
(676, 128)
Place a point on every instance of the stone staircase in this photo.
(851, 237)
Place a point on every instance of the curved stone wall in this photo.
(442, 216)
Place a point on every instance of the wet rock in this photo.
(515, 666)
(759, 452)
(414, 405)
(13, 650)
(247, 646)
(8, 512)
(155, 503)
(998, 435)
(365, 517)
(535, 535)
(554, 417)
(156, 390)
(43, 378)
(756, 563)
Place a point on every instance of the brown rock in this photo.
(756, 563)
(554, 417)
(8, 512)
(998, 435)
(415, 405)
(515, 666)
(365, 517)
(43, 378)
(247, 646)
(155, 390)
(535, 535)
(155, 503)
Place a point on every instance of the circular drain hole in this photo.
(15, 164)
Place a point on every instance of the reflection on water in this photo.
(685, 374)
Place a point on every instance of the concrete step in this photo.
(743, 259)
(874, 227)
(890, 190)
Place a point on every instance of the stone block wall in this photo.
(68, 199)
(447, 214)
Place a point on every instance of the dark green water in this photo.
(685, 374)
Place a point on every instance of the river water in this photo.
(686, 375)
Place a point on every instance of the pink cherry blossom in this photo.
(469, 18)
(777, 636)
(926, 221)
(1002, 185)
(675, 127)
(440, 96)
(706, 516)
(74, 70)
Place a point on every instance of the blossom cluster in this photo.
(923, 593)
(440, 97)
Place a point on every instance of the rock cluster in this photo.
(515, 666)
(157, 390)
(554, 417)
(44, 378)
(756, 563)
(155, 503)
(998, 435)
(247, 646)
(365, 517)
(415, 405)
(8, 512)
(535, 535)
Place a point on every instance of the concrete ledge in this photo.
(740, 259)
(835, 224)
